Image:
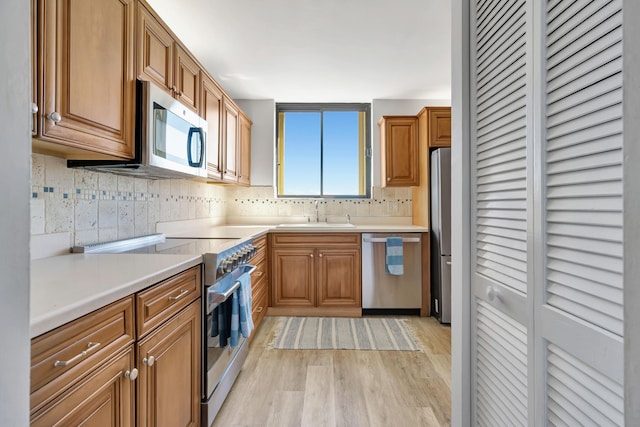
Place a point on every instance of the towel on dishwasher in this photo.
(241, 316)
(394, 257)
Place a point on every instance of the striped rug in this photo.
(339, 333)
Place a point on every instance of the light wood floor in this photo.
(343, 387)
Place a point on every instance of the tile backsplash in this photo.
(96, 207)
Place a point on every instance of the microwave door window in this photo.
(170, 136)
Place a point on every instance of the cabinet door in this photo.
(187, 79)
(89, 93)
(169, 363)
(230, 132)
(440, 127)
(245, 150)
(33, 44)
(339, 273)
(399, 151)
(294, 277)
(155, 51)
(211, 111)
(105, 398)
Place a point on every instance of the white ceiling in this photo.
(319, 50)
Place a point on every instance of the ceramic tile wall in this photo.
(96, 207)
(260, 201)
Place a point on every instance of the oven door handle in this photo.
(215, 296)
(223, 296)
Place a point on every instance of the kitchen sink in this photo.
(317, 225)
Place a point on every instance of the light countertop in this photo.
(66, 287)
(253, 231)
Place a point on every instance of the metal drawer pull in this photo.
(384, 240)
(149, 361)
(180, 295)
(90, 347)
(259, 273)
(448, 262)
(132, 374)
(259, 310)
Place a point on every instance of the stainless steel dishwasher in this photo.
(386, 293)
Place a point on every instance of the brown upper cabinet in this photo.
(86, 57)
(211, 110)
(163, 61)
(231, 141)
(434, 130)
(244, 177)
(438, 124)
(399, 151)
(85, 96)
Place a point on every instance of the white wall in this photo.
(14, 211)
(263, 115)
(393, 107)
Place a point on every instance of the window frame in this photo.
(321, 107)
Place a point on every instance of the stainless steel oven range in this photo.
(225, 263)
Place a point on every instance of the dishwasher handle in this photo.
(384, 240)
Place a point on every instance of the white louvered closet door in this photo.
(580, 316)
(501, 219)
(546, 226)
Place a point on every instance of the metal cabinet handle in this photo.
(149, 361)
(180, 295)
(320, 255)
(311, 255)
(448, 262)
(54, 117)
(90, 347)
(34, 108)
(132, 374)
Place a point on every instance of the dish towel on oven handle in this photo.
(241, 316)
(394, 257)
(221, 322)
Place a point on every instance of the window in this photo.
(323, 150)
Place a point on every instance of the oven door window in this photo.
(217, 357)
(175, 139)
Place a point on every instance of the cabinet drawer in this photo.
(316, 239)
(260, 271)
(60, 357)
(160, 302)
(260, 243)
(259, 307)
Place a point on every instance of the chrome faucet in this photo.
(317, 215)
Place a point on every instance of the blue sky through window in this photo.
(339, 140)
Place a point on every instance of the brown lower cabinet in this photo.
(169, 379)
(316, 270)
(100, 370)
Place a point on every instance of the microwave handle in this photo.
(193, 131)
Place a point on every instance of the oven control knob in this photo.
(223, 267)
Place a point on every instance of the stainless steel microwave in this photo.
(170, 139)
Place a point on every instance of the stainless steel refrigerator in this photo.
(441, 234)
